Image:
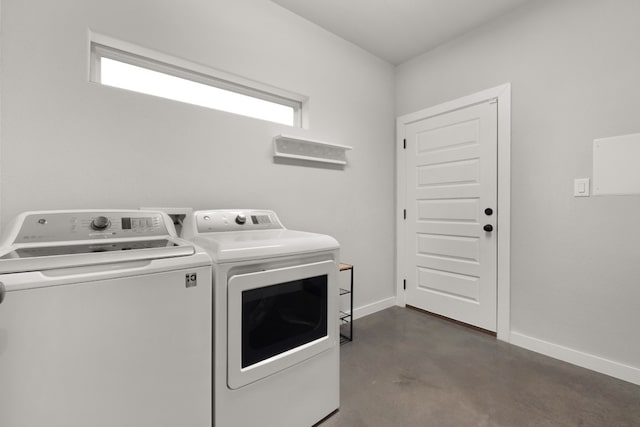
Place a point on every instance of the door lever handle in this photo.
(3, 292)
(488, 228)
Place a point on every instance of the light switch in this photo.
(581, 187)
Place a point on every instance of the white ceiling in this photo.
(398, 30)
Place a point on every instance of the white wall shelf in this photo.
(291, 147)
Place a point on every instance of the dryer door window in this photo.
(278, 318)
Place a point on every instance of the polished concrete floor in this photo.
(408, 369)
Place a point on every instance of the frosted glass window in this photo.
(148, 77)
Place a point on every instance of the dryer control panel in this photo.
(235, 220)
(61, 226)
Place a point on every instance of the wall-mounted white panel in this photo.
(616, 165)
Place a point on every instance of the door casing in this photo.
(502, 94)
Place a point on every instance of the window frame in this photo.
(101, 46)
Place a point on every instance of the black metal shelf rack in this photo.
(346, 319)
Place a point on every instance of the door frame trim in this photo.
(502, 94)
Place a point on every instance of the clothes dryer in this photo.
(276, 337)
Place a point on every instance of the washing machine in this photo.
(105, 320)
(276, 338)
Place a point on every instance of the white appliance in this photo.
(105, 321)
(276, 340)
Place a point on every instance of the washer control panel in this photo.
(88, 225)
(236, 220)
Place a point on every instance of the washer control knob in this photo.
(241, 219)
(100, 223)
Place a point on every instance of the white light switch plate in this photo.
(581, 187)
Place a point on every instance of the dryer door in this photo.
(278, 318)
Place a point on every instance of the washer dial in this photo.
(100, 223)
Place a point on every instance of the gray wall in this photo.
(575, 73)
(68, 143)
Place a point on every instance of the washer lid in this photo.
(234, 246)
(23, 259)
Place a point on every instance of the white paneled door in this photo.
(451, 214)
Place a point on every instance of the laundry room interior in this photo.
(568, 288)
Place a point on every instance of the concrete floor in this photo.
(408, 369)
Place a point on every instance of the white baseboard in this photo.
(575, 357)
(374, 307)
(566, 354)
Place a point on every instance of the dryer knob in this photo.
(100, 223)
(241, 219)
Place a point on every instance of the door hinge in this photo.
(404, 284)
(404, 144)
(404, 213)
